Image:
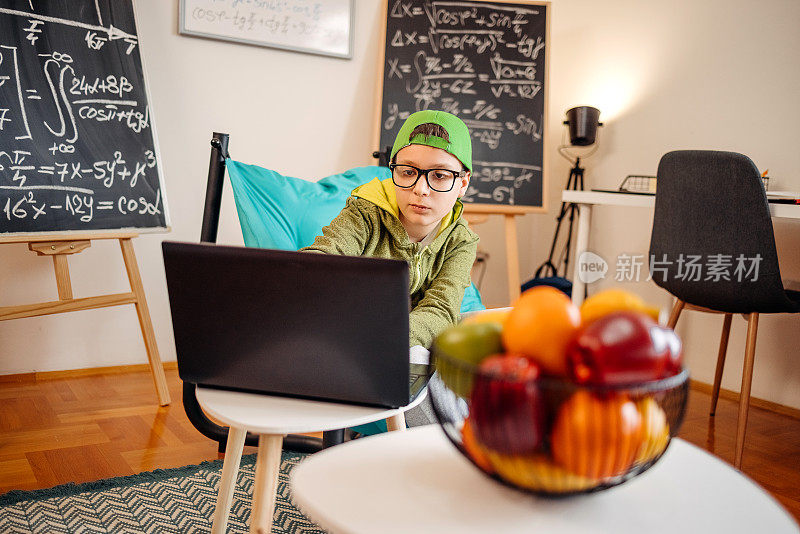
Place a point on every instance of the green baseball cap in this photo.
(460, 144)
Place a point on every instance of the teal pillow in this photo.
(281, 212)
(286, 213)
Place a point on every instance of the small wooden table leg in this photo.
(227, 483)
(156, 368)
(396, 422)
(581, 245)
(268, 464)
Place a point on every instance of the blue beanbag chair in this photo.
(281, 212)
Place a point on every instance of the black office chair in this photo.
(711, 203)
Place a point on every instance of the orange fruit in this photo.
(614, 300)
(597, 437)
(541, 325)
(474, 449)
(497, 316)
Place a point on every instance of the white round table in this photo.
(416, 481)
(272, 418)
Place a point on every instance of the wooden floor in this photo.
(80, 429)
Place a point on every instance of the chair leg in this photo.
(744, 395)
(265, 484)
(676, 312)
(227, 483)
(332, 437)
(396, 422)
(723, 350)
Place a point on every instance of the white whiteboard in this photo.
(314, 26)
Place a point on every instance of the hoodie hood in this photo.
(382, 194)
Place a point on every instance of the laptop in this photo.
(296, 324)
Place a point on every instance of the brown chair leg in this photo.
(747, 379)
(723, 350)
(676, 312)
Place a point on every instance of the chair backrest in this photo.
(712, 243)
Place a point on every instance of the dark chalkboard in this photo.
(77, 143)
(485, 62)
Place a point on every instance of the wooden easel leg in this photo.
(512, 259)
(156, 368)
(62, 276)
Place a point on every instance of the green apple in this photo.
(469, 343)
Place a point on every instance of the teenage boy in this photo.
(416, 216)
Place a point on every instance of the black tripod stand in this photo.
(574, 183)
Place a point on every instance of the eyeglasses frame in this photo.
(424, 172)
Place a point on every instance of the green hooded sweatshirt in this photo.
(439, 272)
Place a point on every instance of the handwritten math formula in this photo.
(77, 150)
(317, 26)
(482, 61)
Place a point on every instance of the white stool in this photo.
(272, 418)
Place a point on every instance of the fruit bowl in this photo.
(552, 436)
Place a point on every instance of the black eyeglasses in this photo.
(441, 180)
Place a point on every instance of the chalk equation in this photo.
(318, 26)
(484, 62)
(64, 94)
(76, 202)
(76, 144)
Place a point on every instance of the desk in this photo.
(416, 481)
(272, 418)
(588, 199)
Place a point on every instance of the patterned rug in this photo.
(179, 500)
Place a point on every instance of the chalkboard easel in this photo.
(59, 247)
(476, 214)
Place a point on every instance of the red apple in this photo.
(624, 348)
(507, 410)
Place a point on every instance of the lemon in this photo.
(537, 472)
(614, 300)
(655, 428)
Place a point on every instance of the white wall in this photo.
(303, 114)
(685, 74)
(713, 74)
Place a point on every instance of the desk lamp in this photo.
(582, 123)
